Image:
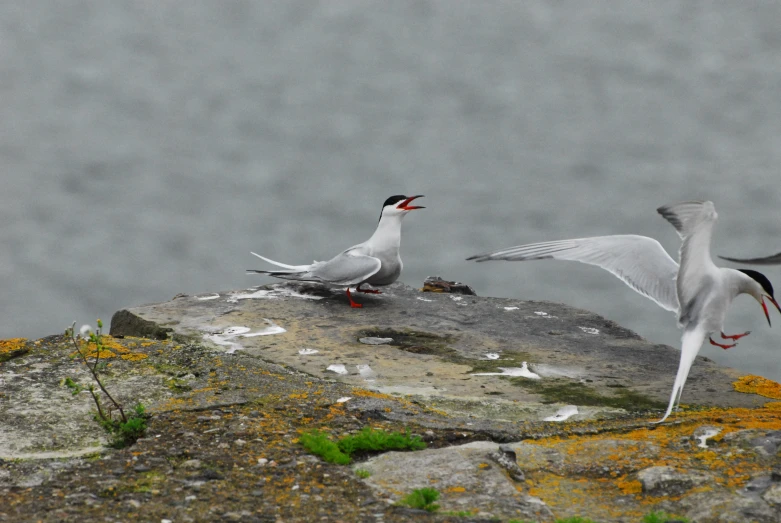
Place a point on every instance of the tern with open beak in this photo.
(375, 262)
(698, 291)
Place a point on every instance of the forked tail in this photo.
(290, 272)
(691, 341)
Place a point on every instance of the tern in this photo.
(774, 259)
(697, 290)
(375, 262)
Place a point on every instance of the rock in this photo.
(724, 507)
(506, 458)
(370, 340)
(461, 474)
(191, 464)
(437, 284)
(666, 481)
(773, 495)
(453, 333)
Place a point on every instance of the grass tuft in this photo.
(367, 440)
(662, 517)
(422, 498)
(318, 443)
(371, 440)
(362, 473)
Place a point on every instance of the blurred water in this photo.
(147, 147)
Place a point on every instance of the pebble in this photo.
(191, 464)
(262, 462)
(240, 442)
(375, 341)
(141, 468)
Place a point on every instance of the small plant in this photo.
(662, 517)
(371, 440)
(367, 440)
(318, 443)
(422, 498)
(124, 429)
(362, 473)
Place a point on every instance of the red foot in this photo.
(367, 291)
(725, 347)
(352, 303)
(734, 336)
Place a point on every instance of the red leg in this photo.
(367, 291)
(352, 303)
(725, 347)
(734, 336)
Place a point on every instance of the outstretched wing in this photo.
(639, 261)
(694, 222)
(767, 260)
(346, 268)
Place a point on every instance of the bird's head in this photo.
(399, 205)
(763, 289)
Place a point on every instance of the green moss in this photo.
(367, 440)
(319, 444)
(414, 341)
(178, 386)
(662, 517)
(362, 473)
(422, 498)
(576, 393)
(370, 440)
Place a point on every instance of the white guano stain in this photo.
(337, 368)
(308, 352)
(276, 291)
(492, 356)
(511, 308)
(522, 372)
(228, 336)
(563, 413)
(210, 297)
(709, 433)
(589, 330)
(423, 299)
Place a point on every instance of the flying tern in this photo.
(698, 291)
(774, 259)
(375, 262)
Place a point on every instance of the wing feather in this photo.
(694, 222)
(639, 261)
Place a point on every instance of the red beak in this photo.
(764, 307)
(405, 205)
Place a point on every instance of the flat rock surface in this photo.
(449, 349)
(232, 380)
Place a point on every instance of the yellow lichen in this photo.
(137, 356)
(758, 385)
(12, 344)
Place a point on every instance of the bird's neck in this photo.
(743, 284)
(388, 234)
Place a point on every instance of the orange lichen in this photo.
(758, 385)
(455, 489)
(136, 356)
(654, 445)
(12, 344)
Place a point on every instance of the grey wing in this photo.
(639, 261)
(694, 222)
(347, 268)
(767, 260)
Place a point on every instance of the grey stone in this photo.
(773, 495)
(461, 476)
(666, 481)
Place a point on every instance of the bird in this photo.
(375, 262)
(696, 290)
(774, 259)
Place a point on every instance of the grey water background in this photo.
(147, 146)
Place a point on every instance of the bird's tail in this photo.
(290, 272)
(691, 341)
